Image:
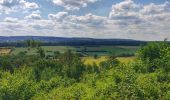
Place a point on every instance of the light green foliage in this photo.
(24, 77)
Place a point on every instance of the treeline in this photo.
(27, 43)
(24, 77)
(74, 43)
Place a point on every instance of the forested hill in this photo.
(68, 41)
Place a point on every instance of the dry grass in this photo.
(5, 51)
(126, 59)
(92, 60)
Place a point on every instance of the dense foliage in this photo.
(24, 77)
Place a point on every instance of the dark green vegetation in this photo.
(19, 41)
(24, 77)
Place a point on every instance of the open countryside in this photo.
(124, 53)
(84, 49)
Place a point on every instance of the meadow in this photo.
(124, 53)
(47, 49)
(84, 50)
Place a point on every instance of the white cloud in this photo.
(129, 11)
(11, 20)
(89, 20)
(31, 5)
(125, 12)
(73, 4)
(58, 17)
(41, 24)
(10, 3)
(7, 6)
(35, 15)
(148, 22)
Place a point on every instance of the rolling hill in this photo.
(68, 41)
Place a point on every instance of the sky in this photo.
(125, 19)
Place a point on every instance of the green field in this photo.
(102, 52)
(48, 49)
(84, 50)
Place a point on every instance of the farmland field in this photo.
(84, 50)
(92, 60)
(4, 51)
(102, 52)
(48, 49)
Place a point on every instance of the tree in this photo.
(56, 54)
(112, 61)
(152, 51)
(155, 55)
(32, 43)
(41, 52)
(6, 64)
(95, 56)
(72, 65)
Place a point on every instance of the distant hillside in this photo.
(53, 39)
(40, 38)
(18, 40)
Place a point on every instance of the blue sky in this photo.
(129, 19)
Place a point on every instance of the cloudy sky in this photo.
(128, 19)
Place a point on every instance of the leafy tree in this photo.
(32, 43)
(5, 64)
(112, 61)
(153, 51)
(155, 54)
(95, 56)
(72, 65)
(41, 52)
(56, 54)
